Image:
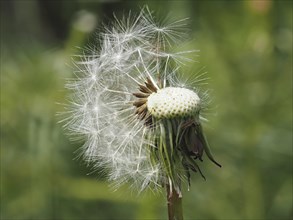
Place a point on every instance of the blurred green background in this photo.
(245, 46)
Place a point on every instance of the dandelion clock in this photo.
(140, 122)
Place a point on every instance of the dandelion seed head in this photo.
(129, 107)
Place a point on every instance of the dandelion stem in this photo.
(174, 204)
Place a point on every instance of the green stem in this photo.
(174, 204)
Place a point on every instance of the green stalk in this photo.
(174, 204)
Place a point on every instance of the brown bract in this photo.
(141, 103)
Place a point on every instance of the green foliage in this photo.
(246, 47)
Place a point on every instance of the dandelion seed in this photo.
(139, 121)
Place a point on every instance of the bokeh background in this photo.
(246, 48)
